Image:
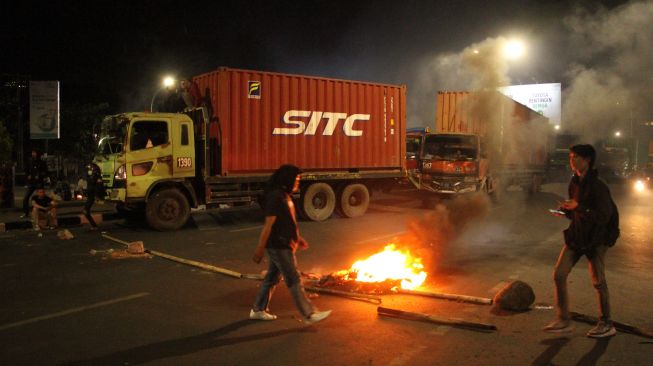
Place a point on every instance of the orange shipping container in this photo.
(514, 132)
(263, 119)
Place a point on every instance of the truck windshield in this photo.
(109, 145)
(413, 143)
(112, 135)
(451, 147)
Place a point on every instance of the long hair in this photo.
(283, 178)
(585, 152)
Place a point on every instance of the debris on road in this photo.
(65, 234)
(515, 296)
(407, 315)
(94, 252)
(136, 247)
(438, 295)
(193, 263)
(252, 276)
(352, 295)
(124, 254)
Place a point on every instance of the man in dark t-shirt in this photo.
(280, 239)
(43, 211)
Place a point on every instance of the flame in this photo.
(391, 264)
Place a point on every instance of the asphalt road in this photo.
(60, 304)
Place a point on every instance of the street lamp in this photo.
(167, 82)
(514, 49)
(617, 134)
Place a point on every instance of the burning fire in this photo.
(391, 264)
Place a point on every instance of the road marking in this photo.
(380, 237)
(73, 310)
(246, 229)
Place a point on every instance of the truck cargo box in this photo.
(261, 120)
(514, 132)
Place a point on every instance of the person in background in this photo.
(37, 172)
(190, 93)
(280, 239)
(43, 210)
(593, 229)
(94, 189)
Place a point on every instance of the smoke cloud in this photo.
(611, 75)
(435, 233)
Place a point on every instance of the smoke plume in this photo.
(611, 75)
(435, 233)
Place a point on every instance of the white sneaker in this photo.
(602, 329)
(318, 316)
(261, 315)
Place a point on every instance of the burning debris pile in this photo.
(379, 274)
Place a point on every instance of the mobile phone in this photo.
(556, 212)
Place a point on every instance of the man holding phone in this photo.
(593, 229)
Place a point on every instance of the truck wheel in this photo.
(318, 201)
(167, 210)
(354, 200)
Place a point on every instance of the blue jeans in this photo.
(283, 263)
(566, 261)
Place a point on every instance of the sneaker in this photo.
(559, 326)
(602, 329)
(23, 216)
(318, 316)
(261, 315)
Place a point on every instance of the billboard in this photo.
(44, 110)
(545, 99)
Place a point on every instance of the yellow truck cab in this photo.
(148, 161)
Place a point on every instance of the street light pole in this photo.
(168, 81)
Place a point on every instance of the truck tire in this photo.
(354, 199)
(167, 209)
(318, 201)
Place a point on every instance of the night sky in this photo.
(117, 51)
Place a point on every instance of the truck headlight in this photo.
(121, 173)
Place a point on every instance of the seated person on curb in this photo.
(43, 210)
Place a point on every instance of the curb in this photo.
(63, 221)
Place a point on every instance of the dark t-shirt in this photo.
(284, 229)
(45, 201)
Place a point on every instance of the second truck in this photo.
(483, 141)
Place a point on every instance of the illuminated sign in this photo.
(44, 109)
(545, 99)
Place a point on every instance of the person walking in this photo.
(94, 189)
(36, 174)
(593, 229)
(280, 238)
